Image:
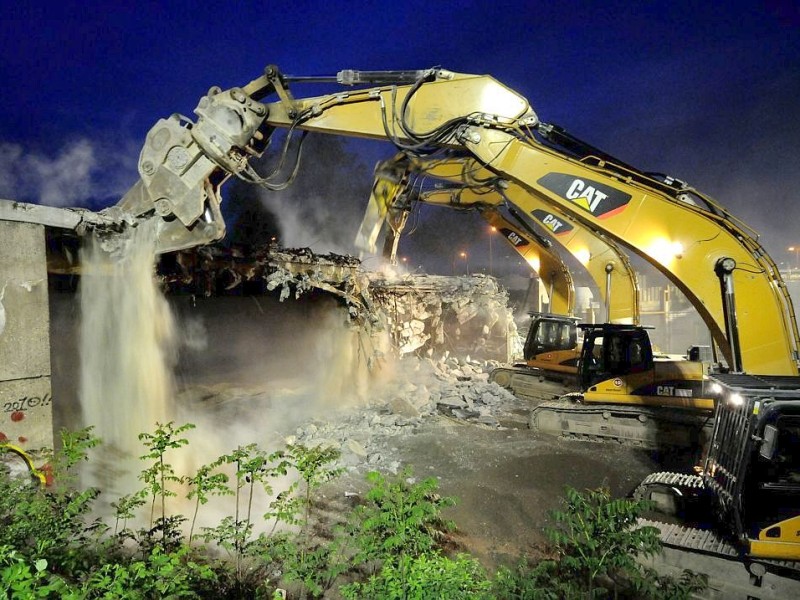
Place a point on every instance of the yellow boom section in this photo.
(552, 271)
(684, 241)
(606, 263)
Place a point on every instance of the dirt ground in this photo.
(507, 480)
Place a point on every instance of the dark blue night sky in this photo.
(708, 92)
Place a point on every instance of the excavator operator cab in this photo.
(611, 350)
(550, 333)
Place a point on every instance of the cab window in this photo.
(554, 336)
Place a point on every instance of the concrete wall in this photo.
(25, 392)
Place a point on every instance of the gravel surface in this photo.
(506, 478)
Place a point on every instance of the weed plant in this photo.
(392, 545)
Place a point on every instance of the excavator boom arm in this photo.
(692, 245)
(604, 260)
(552, 271)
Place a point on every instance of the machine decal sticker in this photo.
(673, 389)
(596, 198)
(555, 224)
(516, 239)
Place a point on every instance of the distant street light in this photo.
(463, 255)
(796, 250)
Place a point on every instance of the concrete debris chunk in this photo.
(452, 401)
(461, 413)
(356, 448)
(488, 398)
(404, 408)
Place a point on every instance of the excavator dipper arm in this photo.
(392, 200)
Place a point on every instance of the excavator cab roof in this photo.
(614, 326)
(542, 315)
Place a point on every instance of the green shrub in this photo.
(400, 518)
(389, 547)
(160, 475)
(159, 575)
(53, 523)
(596, 544)
(423, 577)
(22, 580)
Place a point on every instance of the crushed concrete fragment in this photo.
(404, 408)
(460, 413)
(452, 401)
(356, 448)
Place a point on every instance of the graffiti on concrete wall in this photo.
(25, 390)
(25, 403)
(26, 412)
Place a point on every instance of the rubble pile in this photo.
(298, 271)
(216, 270)
(444, 334)
(429, 391)
(439, 316)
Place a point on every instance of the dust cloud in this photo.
(242, 370)
(127, 341)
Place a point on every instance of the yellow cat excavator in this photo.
(714, 258)
(551, 347)
(628, 392)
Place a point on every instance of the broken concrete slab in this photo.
(452, 401)
(404, 408)
(356, 448)
(425, 315)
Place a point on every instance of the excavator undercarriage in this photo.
(738, 518)
(653, 428)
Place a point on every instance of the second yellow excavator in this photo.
(552, 344)
(627, 391)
